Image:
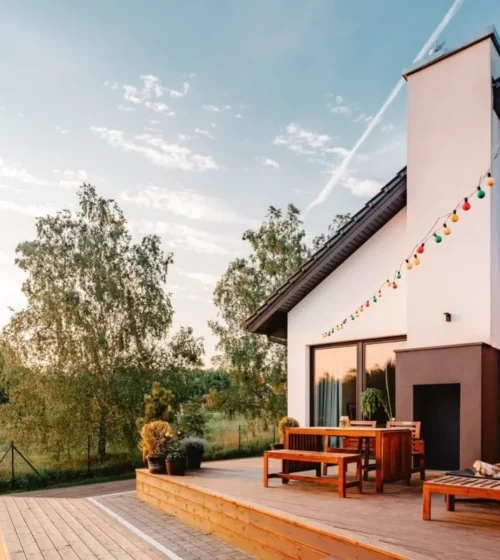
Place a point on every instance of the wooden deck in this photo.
(302, 521)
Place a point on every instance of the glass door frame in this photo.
(360, 346)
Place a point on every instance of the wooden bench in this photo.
(451, 486)
(317, 458)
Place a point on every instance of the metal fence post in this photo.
(274, 432)
(239, 437)
(13, 472)
(88, 456)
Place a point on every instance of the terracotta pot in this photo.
(194, 459)
(156, 464)
(176, 467)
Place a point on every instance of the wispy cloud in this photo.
(149, 95)
(112, 85)
(306, 142)
(206, 133)
(339, 106)
(156, 150)
(238, 116)
(126, 108)
(27, 209)
(339, 173)
(183, 93)
(362, 187)
(268, 162)
(61, 130)
(216, 108)
(202, 277)
(181, 236)
(71, 179)
(186, 203)
(17, 171)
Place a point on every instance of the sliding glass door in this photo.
(339, 373)
(334, 378)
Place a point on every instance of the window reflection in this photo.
(380, 371)
(334, 384)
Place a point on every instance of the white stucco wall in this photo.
(337, 296)
(449, 146)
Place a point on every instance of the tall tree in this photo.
(257, 366)
(339, 221)
(95, 323)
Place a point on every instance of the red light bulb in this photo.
(421, 249)
(466, 205)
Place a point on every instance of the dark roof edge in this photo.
(489, 32)
(260, 315)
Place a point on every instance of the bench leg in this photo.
(325, 469)
(318, 470)
(284, 469)
(359, 475)
(426, 504)
(450, 502)
(341, 485)
(266, 471)
(421, 464)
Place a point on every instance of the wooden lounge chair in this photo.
(451, 486)
(317, 458)
(418, 447)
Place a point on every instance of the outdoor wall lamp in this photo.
(447, 317)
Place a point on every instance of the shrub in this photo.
(175, 450)
(192, 421)
(155, 436)
(286, 422)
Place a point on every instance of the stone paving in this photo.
(100, 521)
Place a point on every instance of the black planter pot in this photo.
(276, 446)
(156, 464)
(176, 467)
(194, 459)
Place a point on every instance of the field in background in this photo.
(226, 438)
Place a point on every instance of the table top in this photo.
(351, 431)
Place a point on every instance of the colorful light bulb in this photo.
(379, 293)
(394, 285)
(409, 266)
(490, 181)
(357, 314)
(398, 275)
(437, 238)
(388, 283)
(466, 205)
(454, 217)
(352, 317)
(446, 229)
(367, 304)
(421, 248)
(374, 299)
(480, 193)
(416, 260)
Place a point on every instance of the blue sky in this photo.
(196, 116)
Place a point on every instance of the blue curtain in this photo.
(328, 401)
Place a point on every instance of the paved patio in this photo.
(93, 522)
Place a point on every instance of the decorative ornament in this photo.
(437, 238)
(380, 293)
(352, 317)
(416, 260)
(388, 283)
(361, 309)
(357, 314)
(374, 299)
(454, 217)
(480, 193)
(367, 304)
(409, 266)
(421, 248)
(490, 181)
(398, 275)
(446, 229)
(466, 205)
(394, 285)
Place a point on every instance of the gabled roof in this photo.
(271, 317)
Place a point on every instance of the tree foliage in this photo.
(339, 221)
(94, 329)
(257, 366)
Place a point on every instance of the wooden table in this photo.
(392, 448)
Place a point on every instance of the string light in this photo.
(380, 293)
(446, 229)
(367, 304)
(466, 205)
(388, 283)
(398, 275)
(394, 285)
(454, 217)
(374, 299)
(409, 266)
(416, 260)
(490, 181)
(421, 248)
(437, 238)
(480, 193)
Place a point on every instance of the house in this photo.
(432, 335)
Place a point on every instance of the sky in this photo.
(197, 116)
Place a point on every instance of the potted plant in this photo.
(176, 458)
(371, 401)
(155, 436)
(285, 422)
(195, 447)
